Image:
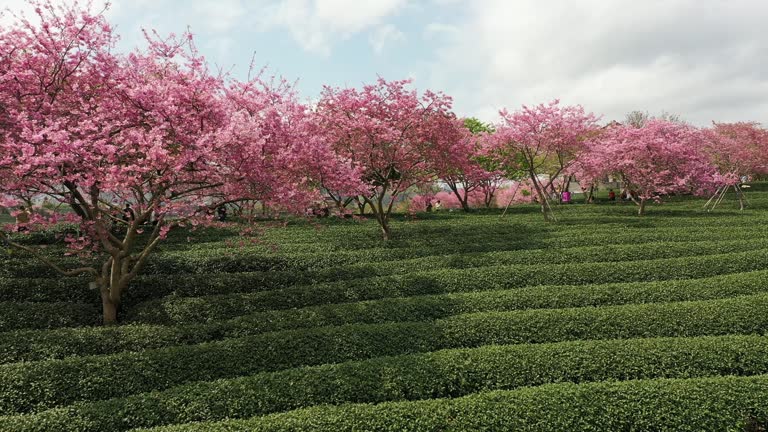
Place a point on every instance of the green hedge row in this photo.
(219, 256)
(338, 267)
(338, 232)
(52, 344)
(14, 316)
(441, 225)
(682, 405)
(73, 290)
(203, 261)
(470, 243)
(204, 309)
(335, 267)
(450, 373)
(35, 386)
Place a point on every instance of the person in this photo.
(438, 205)
(625, 196)
(221, 211)
(566, 197)
(152, 219)
(128, 213)
(429, 206)
(22, 219)
(611, 195)
(114, 224)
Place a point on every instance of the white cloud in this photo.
(220, 15)
(384, 36)
(316, 24)
(702, 60)
(438, 30)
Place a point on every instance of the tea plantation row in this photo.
(603, 321)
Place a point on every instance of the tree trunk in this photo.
(385, 232)
(487, 199)
(109, 310)
(382, 217)
(589, 198)
(545, 209)
(641, 210)
(464, 203)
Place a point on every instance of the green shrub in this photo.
(216, 259)
(705, 404)
(51, 344)
(332, 267)
(15, 316)
(205, 309)
(74, 290)
(35, 386)
(198, 272)
(449, 373)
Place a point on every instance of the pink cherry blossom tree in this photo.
(737, 150)
(96, 130)
(153, 129)
(544, 140)
(384, 131)
(456, 156)
(274, 150)
(657, 159)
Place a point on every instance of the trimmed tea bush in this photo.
(41, 345)
(35, 386)
(440, 374)
(707, 404)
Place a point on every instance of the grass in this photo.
(602, 321)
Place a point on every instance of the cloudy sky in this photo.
(702, 59)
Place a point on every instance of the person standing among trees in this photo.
(22, 219)
(611, 195)
(128, 214)
(222, 213)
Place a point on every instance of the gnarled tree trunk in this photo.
(641, 209)
(546, 209)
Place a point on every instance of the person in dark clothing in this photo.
(611, 195)
(128, 213)
(221, 211)
(22, 220)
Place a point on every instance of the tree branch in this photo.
(51, 264)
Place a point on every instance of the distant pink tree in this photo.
(657, 159)
(544, 141)
(456, 156)
(737, 150)
(519, 192)
(384, 131)
(273, 150)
